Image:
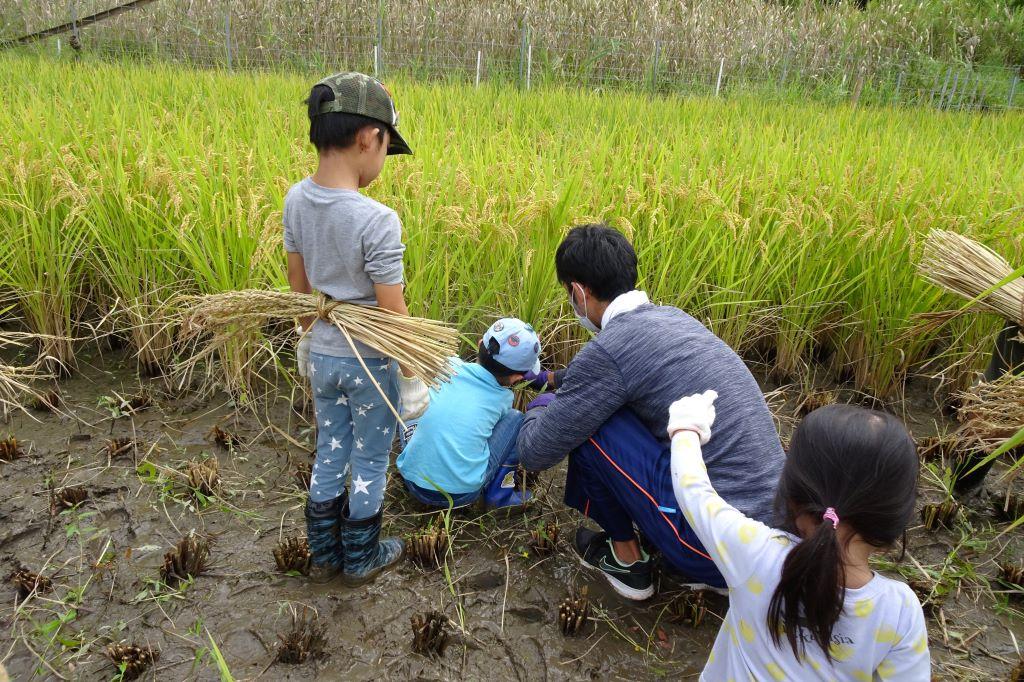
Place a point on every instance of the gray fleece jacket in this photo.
(646, 359)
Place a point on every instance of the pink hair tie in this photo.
(831, 515)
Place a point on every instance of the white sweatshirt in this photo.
(881, 634)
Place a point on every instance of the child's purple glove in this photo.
(543, 400)
(538, 380)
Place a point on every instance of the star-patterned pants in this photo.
(355, 429)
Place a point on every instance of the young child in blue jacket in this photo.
(465, 443)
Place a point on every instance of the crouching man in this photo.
(609, 417)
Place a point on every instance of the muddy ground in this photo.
(104, 558)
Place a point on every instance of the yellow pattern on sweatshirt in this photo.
(880, 632)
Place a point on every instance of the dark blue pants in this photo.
(502, 446)
(620, 477)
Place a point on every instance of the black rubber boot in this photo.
(366, 554)
(323, 529)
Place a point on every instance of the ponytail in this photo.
(863, 463)
(811, 591)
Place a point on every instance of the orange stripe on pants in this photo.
(646, 494)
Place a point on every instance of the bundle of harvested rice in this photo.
(215, 320)
(15, 381)
(993, 411)
(965, 267)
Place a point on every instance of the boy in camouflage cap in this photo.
(349, 247)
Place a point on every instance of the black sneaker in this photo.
(634, 582)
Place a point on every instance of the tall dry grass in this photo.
(575, 36)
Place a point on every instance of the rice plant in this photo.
(791, 230)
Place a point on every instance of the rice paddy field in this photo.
(791, 229)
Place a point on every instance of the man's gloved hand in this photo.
(693, 413)
(414, 396)
(302, 352)
(543, 400)
(539, 380)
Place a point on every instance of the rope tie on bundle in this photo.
(212, 322)
(325, 307)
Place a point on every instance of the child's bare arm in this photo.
(391, 297)
(299, 282)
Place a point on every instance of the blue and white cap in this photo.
(518, 344)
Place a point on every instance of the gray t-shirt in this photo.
(348, 242)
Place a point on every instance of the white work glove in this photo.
(414, 396)
(693, 413)
(302, 353)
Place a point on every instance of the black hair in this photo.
(485, 356)
(336, 129)
(599, 258)
(864, 464)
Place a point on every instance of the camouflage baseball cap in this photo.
(357, 93)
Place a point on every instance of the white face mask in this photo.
(582, 317)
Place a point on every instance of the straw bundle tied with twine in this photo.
(965, 267)
(993, 411)
(419, 345)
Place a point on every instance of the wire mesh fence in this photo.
(528, 57)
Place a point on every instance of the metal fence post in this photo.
(858, 85)
(227, 36)
(75, 41)
(785, 71)
(1013, 90)
(972, 103)
(963, 90)
(522, 48)
(378, 52)
(479, 61)
(529, 63)
(899, 84)
(718, 83)
(952, 90)
(945, 84)
(654, 65)
(935, 89)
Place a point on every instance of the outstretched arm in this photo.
(736, 543)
